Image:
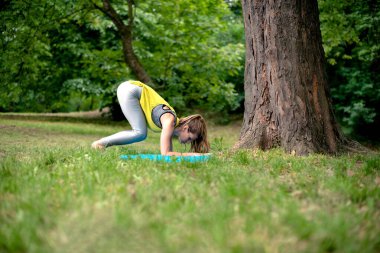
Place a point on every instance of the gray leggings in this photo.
(129, 99)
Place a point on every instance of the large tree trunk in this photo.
(125, 32)
(287, 101)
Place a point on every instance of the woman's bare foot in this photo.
(97, 145)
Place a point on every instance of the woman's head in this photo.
(193, 129)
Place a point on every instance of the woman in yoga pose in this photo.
(141, 105)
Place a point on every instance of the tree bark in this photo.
(287, 100)
(125, 32)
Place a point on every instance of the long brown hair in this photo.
(197, 125)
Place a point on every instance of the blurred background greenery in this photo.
(65, 56)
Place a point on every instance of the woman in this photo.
(141, 105)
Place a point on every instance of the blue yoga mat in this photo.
(168, 159)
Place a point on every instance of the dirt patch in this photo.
(101, 117)
(4, 129)
(6, 126)
(2, 153)
(90, 114)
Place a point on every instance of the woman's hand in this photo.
(97, 145)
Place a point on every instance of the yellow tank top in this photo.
(150, 99)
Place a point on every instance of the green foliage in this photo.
(350, 32)
(185, 46)
(60, 196)
(46, 46)
(25, 54)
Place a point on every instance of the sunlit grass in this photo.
(58, 195)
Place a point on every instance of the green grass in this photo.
(58, 195)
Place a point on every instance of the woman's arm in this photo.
(166, 145)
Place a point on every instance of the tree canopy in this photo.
(72, 52)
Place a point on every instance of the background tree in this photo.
(287, 101)
(185, 46)
(194, 52)
(125, 30)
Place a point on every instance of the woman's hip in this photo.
(127, 89)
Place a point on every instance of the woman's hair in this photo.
(197, 125)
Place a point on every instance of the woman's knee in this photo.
(141, 135)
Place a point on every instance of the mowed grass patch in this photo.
(58, 195)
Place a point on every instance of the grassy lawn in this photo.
(58, 195)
